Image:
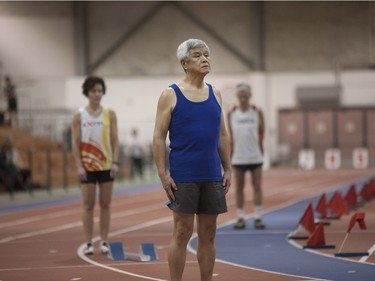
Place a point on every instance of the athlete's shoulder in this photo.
(111, 112)
(167, 99)
(167, 96)
(78, 112)
(215, 89)
(232, 109)
(255, 108)
(168, 92)
(216, 92)
(76, 116)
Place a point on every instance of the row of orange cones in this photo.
(337, 206)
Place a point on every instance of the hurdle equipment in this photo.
(306, 222)
(317, 239)
(356, 217)
(337, 205)
(147, 252)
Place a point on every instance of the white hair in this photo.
(186, 46)
(243, 87)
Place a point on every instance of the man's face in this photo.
(199, 61)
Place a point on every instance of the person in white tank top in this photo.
(246, 126)
(95, 148)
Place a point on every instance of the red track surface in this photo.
(44, 243)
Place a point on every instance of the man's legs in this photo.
(256, 178)
(206, 251)
(182, 231)
(240, 198)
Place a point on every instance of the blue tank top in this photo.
(194, 134)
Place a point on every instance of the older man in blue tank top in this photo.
(200, 171)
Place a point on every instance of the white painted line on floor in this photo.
(37, 218)
(41, 232)
(15, 269)
(79, 223)
(55, 214)
(370, 252)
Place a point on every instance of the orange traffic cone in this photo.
(321, 207)
(351, 197)
(366, 192)
(337, 205)
(317, 239)
(306, 222)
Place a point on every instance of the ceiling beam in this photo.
(126, 36)
(232, 49)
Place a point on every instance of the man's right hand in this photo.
(169, 187)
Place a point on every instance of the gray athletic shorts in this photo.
(199, 198)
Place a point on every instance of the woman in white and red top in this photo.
(246, 125)
(95, 149)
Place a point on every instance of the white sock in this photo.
(258, 212)
(240, 213)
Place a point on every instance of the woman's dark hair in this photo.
(90, 83)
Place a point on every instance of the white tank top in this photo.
(245, 136)
(95, 146)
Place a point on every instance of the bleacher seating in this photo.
(44, 157)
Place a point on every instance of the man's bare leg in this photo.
(206, 251)
(182, 231)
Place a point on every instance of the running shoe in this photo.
(89, 249)
(241, 224)
(104, 247)
(258, 224)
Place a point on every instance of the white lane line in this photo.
(57, 214)
(37, 218)
(126, 264)
(15, 269)
(40, 232)
(79, 223)
(119, 232)
(370, 252)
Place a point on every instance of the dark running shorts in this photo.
(248, 167)
(98, 177)
(199, 198)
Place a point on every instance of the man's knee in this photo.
(183, 234)
(207, 231)
(207, 237)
